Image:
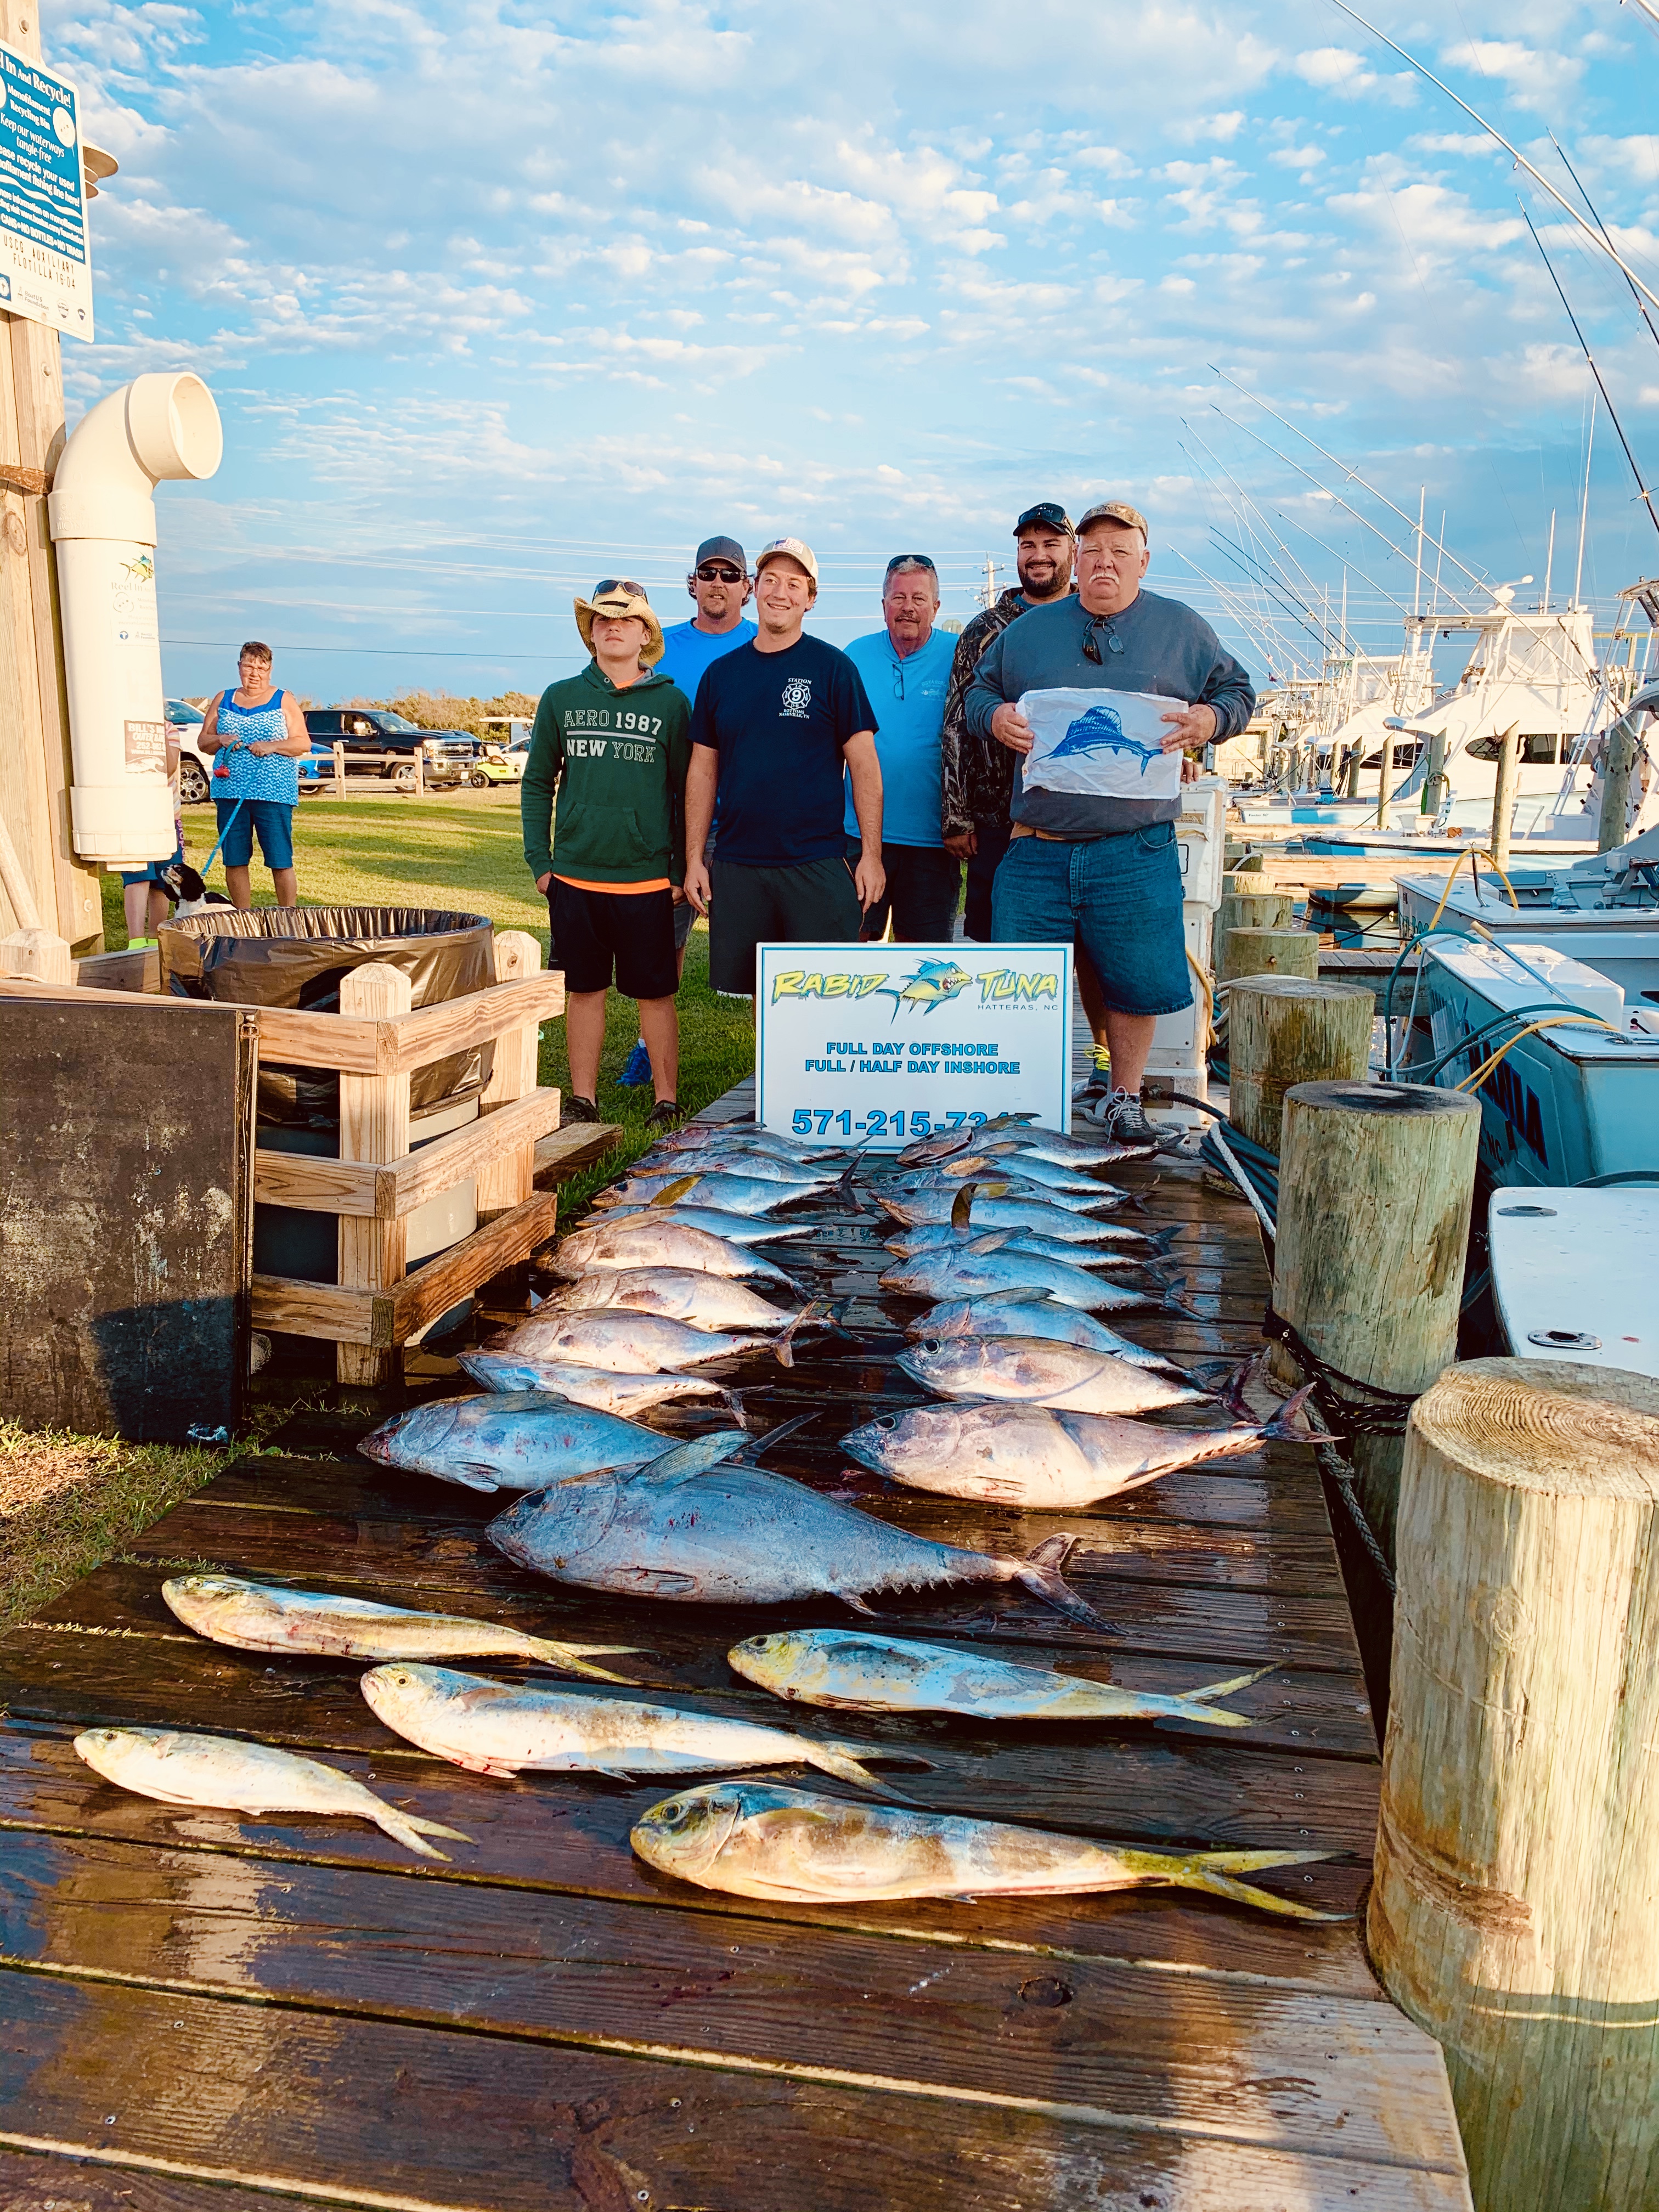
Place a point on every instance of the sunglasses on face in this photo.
(607, 585)
(1091, 643)
(717, 572)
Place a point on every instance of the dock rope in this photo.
(1472, 854)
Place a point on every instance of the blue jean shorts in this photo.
(1118, 897)
(274, 823)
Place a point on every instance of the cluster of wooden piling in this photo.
(1514, 1506)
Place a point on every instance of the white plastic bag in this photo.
(1105, 744)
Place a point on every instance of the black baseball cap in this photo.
(720, 549)
(1049, 514)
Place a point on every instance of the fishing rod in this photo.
(1641, 304)
(1350, 474)
(1267, 531)
(1645, 495)
(1363, 520)
(1517, 157)
(1285, 643)
(1228, 599)
(1312, 625)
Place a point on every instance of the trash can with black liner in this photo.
(296, 956)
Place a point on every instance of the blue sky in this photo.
(497, 299)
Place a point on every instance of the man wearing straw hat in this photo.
(614, 743)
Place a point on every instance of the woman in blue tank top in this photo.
(258, 735)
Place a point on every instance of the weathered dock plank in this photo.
(201, 2011)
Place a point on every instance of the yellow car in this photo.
(500, 764)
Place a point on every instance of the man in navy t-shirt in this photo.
(775, 725)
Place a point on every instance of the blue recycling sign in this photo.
(45, 259)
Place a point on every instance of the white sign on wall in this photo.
(879, 1043)
(45, 259)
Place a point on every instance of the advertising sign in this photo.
(46, 262)
(884, 1043)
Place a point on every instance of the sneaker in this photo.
(664, 1114)
(1098, 1085)
(637, 1072)
(572, 1108)
(1122, 1119)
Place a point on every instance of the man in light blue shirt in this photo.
(719, 583)
(906, 668)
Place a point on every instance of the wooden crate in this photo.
(375, 1043)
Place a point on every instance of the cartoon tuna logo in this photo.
(934, 984)
(1102, 731)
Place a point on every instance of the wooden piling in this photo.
(1351, 774)
(1283, 1030)
(1515, 1912)
(1619, 766)
(1502, 796)
(1375, 1182)
(339, 769)
(1268, 952)
(1256, 908)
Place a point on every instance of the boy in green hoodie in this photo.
(614, 742)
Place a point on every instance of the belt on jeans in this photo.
(1024, 829)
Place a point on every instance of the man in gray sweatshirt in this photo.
(1106, 870)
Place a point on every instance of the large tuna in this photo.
(702, 1532)
(511, 1440)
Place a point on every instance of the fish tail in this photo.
(1170, 1302)
(1161, 1239)
(831, 1759)
(404, 1828)
(1039, 1572)
(1291, 1421)
(570, 1656)
(1226, 1689)
(1212, 1872)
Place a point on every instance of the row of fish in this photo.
(742, 1838)
(662, 1285)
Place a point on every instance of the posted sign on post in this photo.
(880, 1043)
(46, 263)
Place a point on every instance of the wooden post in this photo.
(1384, 778)
(1256, 908)
(1268, 952)
(1515, 1912)
(1618, 768)
(36, 955)
(340, 769)
(1376, 1181)
(420, 771)
(1351, 774)
(1282, 1031)
(508, 1182)
(374, 1125)
(1502, 796)
(1434, 777)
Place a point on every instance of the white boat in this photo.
(1573, 1274)
(1602, 909)
(1565, 1067)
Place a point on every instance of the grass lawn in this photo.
(461, 850)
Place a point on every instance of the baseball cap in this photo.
(796, 550)
(1047, 513)
(1116, 510)
(720, 549)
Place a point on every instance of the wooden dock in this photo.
(203, 2013)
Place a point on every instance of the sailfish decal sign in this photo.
(1102, 745)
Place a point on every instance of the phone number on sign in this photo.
(818, 1121)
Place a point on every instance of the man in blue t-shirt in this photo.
(906, 665)
(775, 726)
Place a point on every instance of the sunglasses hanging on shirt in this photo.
(1091, 643)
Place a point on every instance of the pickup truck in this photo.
(391, 740)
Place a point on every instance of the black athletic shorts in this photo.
(632, 931)
(813, 902)
(924, 883)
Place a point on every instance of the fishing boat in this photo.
(1602, 909)
(1565, 1067)
(1573, 1274)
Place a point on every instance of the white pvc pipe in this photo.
(103, 528)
